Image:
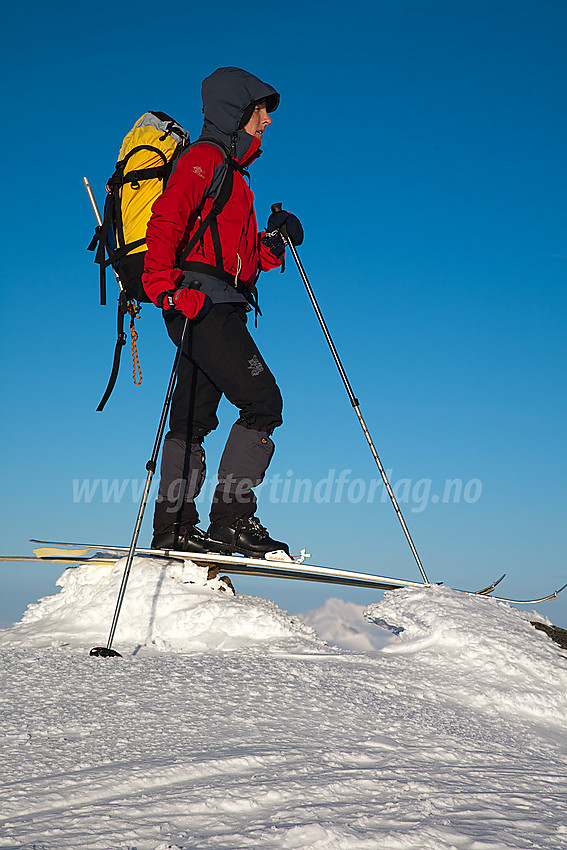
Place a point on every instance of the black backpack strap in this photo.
(207, 268)
(219, 202)
(210, 221)
(100, 243)
(125, 305)
(120, 343)
(153, 172)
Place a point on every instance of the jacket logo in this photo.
(198, 171)
(255, 366)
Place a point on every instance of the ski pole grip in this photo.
(283, 229)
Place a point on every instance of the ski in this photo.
(233, 564)
(61, 552)
(243, 569)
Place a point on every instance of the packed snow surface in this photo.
(228, 723)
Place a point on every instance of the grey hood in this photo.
(227, 97)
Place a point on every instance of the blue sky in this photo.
(422, 144)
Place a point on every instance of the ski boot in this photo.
(190, 539)
(247, 536)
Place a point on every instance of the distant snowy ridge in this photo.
(343, 624)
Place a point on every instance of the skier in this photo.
(213, 285)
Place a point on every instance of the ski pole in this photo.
(353, 399)
(107, 651)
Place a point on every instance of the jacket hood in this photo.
(227, 95)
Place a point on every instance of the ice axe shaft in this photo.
(94, 205)
(353, 399)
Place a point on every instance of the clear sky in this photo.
(422, 144)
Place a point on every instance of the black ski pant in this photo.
(220, 358)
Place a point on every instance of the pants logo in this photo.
(255, 366)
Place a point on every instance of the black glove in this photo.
(273, 238)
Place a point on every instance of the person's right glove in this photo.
(190, 301)
(273, 238)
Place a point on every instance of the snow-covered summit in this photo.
(168, 606)
(236, 726)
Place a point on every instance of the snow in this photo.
(229, 723)
(169, 606)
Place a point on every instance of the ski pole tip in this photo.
(104, 652)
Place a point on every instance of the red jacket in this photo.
(175, 218)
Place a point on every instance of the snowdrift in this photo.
(477, 650)
(169, 606)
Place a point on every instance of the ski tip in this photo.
(104, 652)
(52, 552)
(486, 591)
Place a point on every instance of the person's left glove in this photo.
(273, 238)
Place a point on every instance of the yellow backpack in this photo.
(144, 164)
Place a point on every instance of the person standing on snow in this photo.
(210, 280)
